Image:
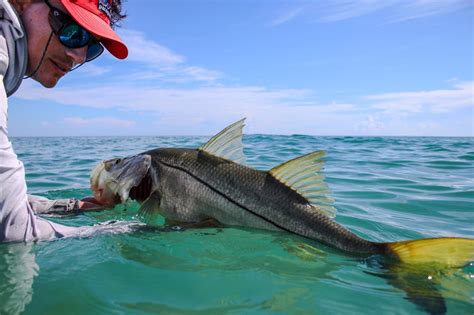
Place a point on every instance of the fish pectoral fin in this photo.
(227, 144)
(303, 251)
(150, 208)
(303, 175)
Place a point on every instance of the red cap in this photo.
(94, 16)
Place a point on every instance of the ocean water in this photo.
(385, 189)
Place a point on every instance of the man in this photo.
(45, 40)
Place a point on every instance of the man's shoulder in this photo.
(13, 48)
(9, 15)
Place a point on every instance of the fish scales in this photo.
(193, 186)
(212, 187)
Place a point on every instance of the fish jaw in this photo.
(112, 180)
(103, 187)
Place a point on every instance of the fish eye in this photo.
(117, 161)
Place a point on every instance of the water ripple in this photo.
(386, 189)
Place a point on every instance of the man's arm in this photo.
(18, 221)
(43, 205)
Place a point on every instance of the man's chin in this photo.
(49, 82)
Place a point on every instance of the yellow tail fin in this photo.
(447, 251)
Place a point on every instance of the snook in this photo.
(212, 182)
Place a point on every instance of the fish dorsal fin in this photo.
(227, 144)
(303, 175)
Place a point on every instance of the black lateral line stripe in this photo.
(226, 197)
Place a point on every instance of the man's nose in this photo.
(77, 55)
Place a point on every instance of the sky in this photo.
(340, 67)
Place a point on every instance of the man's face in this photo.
(58, 59)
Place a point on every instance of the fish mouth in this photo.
(113, 180)
(101, 188)
(143, 190)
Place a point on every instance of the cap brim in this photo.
(99, 28)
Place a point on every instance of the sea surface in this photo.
(385, 189)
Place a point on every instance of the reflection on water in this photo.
(227, 250)
(18, 269)
(427, 286)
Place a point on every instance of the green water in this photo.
(386, 189)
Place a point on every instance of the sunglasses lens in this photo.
(74, 36)
(94, 50)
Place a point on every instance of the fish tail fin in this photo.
(447, 251)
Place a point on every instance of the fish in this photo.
(212, 185)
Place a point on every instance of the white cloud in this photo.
(150, 98)
(132, 97)
(179, 111)
(109, 121)
(203, 110)
(434, 101)
(201, 74)
(161, 62)
(174, 75)
(286, 16)
(91, 69)
(371, 125)
(393, 10)
(144, 50)
(424, 8)
(344, 10)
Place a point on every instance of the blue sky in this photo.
(351, 67)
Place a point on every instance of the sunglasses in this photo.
(72, 35)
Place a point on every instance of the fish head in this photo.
(112, 180)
